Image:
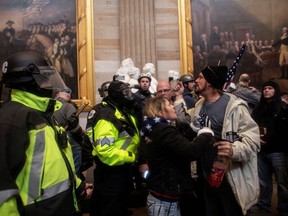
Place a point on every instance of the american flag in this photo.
(33, 6)
(232, 70)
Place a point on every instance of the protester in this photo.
(248, 93)
(188, 94)
(174, 94)
(168, 155)
(233, 126)
(271, 115)
(143, 94)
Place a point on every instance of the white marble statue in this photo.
(150, 68)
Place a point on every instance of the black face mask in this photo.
(121, 95)
(127, 94)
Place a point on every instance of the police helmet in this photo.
(120, 93)
(187, 78)
(146, 75)
(25, 69)
(103, 88)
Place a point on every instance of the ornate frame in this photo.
(85, 53)
(185, 37)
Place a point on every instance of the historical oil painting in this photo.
(221, 27)
(43, 26)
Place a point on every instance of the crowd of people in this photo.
(192, 147)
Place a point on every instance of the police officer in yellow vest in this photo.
(36, 164)
(115, 139)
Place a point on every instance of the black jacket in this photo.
(274, 117)
(169, 154)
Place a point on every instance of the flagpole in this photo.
(232, 71)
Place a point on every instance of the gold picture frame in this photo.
(85, 54)
(31, 29)
(185, 37)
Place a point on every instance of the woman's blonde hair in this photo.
(154, 105)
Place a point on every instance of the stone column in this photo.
(137, 31)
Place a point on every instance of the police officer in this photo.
(115, 139)
(37, 170)
(103, 90)
(67, 118)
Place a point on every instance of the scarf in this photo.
(150, 123)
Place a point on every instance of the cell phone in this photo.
(145, 174)
(118, 77)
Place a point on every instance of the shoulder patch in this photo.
(91, 114)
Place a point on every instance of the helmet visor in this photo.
(48, 78)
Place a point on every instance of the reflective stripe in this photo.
(6, 194)
(104, 141)
(128, 140)
(35, 174)
(55, 189)
(36, 167)
(126, 144)
(108, 141)
(123, 134)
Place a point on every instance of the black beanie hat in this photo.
(270, 83)
(215, 75)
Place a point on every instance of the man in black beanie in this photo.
(271, 116)
(115, 138)
(236, 132)
(215, 75)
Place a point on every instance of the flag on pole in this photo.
(33, 6)
(232, 70)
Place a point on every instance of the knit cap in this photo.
(215, 75)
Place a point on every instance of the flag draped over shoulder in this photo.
(33, 6)
(232, 70)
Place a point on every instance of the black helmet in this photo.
(187, 78)
(120, 93)
(103, 88)
(27, 70)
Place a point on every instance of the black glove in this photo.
(72, 122)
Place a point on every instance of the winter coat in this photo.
(168, 154)
(242, 174)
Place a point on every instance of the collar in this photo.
(41, 104)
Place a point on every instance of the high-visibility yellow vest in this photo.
(112, 143)
(45, 172)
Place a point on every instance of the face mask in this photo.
(127, 93)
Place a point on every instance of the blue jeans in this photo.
(157, 207)
(269, 164)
